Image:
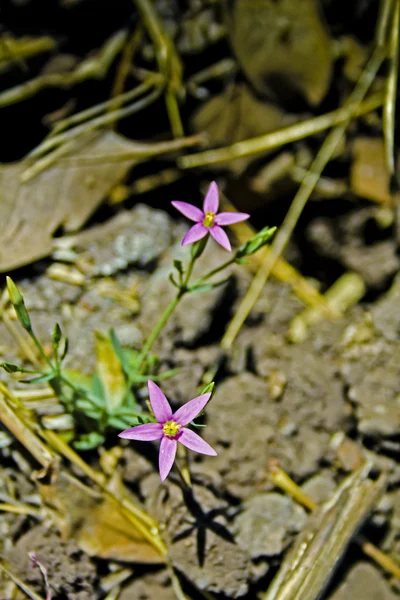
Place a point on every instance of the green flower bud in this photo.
(19, 305)
(256, 242)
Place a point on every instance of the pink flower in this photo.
(208, 220)
(170, 428)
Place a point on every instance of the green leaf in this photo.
(89, 441)
(65, 349)
(80, 381)
(40, 379)
(129, 402)
(17, 301)
(259, 240)
(56, 338)
(179, 266)
(209, 286)
(210, 387)
(11, 368)
(120, 352)
(136, 378)
(172, 280)
(197, 425)
(93, 413)
(56, 335)
(110, 372)
(86, 405)
(206, 287)
(121, 422)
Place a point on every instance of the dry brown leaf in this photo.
(369, 177)
(282, 45)
(95, 522)
(237, 115)
(65, 195)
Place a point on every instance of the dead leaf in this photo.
(95, 522)
(110, 371)
(369, 177)
(238, 115)
(66, 194)
(282, 45)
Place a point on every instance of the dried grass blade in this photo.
(283, 136)
(320, 546)
(310, 180)
(23, 586)
(282, 270)
(389, 108)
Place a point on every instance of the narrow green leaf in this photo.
(56, 335)
(11, 368)
(172, 280)
(179, 266)
(210, 387)
(40, 379)
(65, 349)
(110, 371)
(121, 422)
(201, 288)
(136, 378)
(259, 240)
(119, 351)
(89, 441)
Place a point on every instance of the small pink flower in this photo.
(170, 428)
(208, 220)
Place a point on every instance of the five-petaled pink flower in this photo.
(209, 220)
(170, 428)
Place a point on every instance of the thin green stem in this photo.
(165, 316)
(215, 271)
(157, 329)
(188, 275)
(40, 348)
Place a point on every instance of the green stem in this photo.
(188, 275)
(215, 271)
(40, 348)
(164, 317)
(157, 328)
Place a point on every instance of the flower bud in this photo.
(259, 240)
(19, 305)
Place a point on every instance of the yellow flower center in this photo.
(170, 428)
(208, 220)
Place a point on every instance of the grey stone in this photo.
(266, 525)
(364, 582)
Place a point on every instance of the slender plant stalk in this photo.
(183, 289)
(157, 329)
(300, 200)
(155, 332)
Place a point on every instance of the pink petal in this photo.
(167, 456)
(211, 201)
(191, 212)
(220, 236)
(195, 233)
(143, 433)
(191, 440)
(160, 405)
(191, 409)
(229, 218)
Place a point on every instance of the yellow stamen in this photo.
(208, 220)
(170, 428)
